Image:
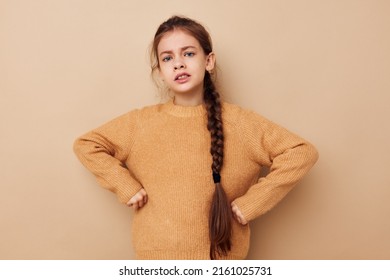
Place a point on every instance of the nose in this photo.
(179, 65)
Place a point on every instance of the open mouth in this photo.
(181, 76)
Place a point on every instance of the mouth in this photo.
(182, 76)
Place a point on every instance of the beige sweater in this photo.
(165, 149)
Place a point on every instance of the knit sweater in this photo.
(165, 149)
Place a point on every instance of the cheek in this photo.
(204, 65)
(163, 71)
(200, 66)
(201, 70)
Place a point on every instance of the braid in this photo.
(214, 124)
(220, 213)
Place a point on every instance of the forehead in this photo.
(176, 39)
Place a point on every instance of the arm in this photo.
(288, 156)
(104, 150)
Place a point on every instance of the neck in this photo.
(189, 99)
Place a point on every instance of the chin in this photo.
(187, 89)
(183, 90)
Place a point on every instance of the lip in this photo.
(181, 74)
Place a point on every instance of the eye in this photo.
(166, 58)
(190, 54)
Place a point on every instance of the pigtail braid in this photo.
(220, 217)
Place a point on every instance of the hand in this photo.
(238, 215)
(138, 200)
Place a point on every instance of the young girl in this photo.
(190, 167)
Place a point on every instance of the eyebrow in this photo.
(182, 49)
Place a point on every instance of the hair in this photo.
(220, 216)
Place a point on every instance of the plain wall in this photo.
(319, 68)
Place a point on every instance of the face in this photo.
(182, 63)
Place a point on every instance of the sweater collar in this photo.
(184, 111)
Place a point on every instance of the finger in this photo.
(240, 218)
(130, 203)
(238, 215)
(133, 200)
(243, 220)
(134, 204)
(145, 199)
(140, 203)
(138, 200)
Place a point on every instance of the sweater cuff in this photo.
(246, 209)
(124, 188)
(251, 208)
(124, 194)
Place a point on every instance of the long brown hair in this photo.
(220, 217)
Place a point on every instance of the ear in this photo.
(210, 61)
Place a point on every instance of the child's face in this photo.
(182, 63)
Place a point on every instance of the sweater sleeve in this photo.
(104, 151)
(288, 156)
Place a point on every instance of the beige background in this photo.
(319, 68)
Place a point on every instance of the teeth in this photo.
(182, 77)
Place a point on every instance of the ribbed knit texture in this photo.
(165, 148)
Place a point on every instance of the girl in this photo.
(190, 167)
